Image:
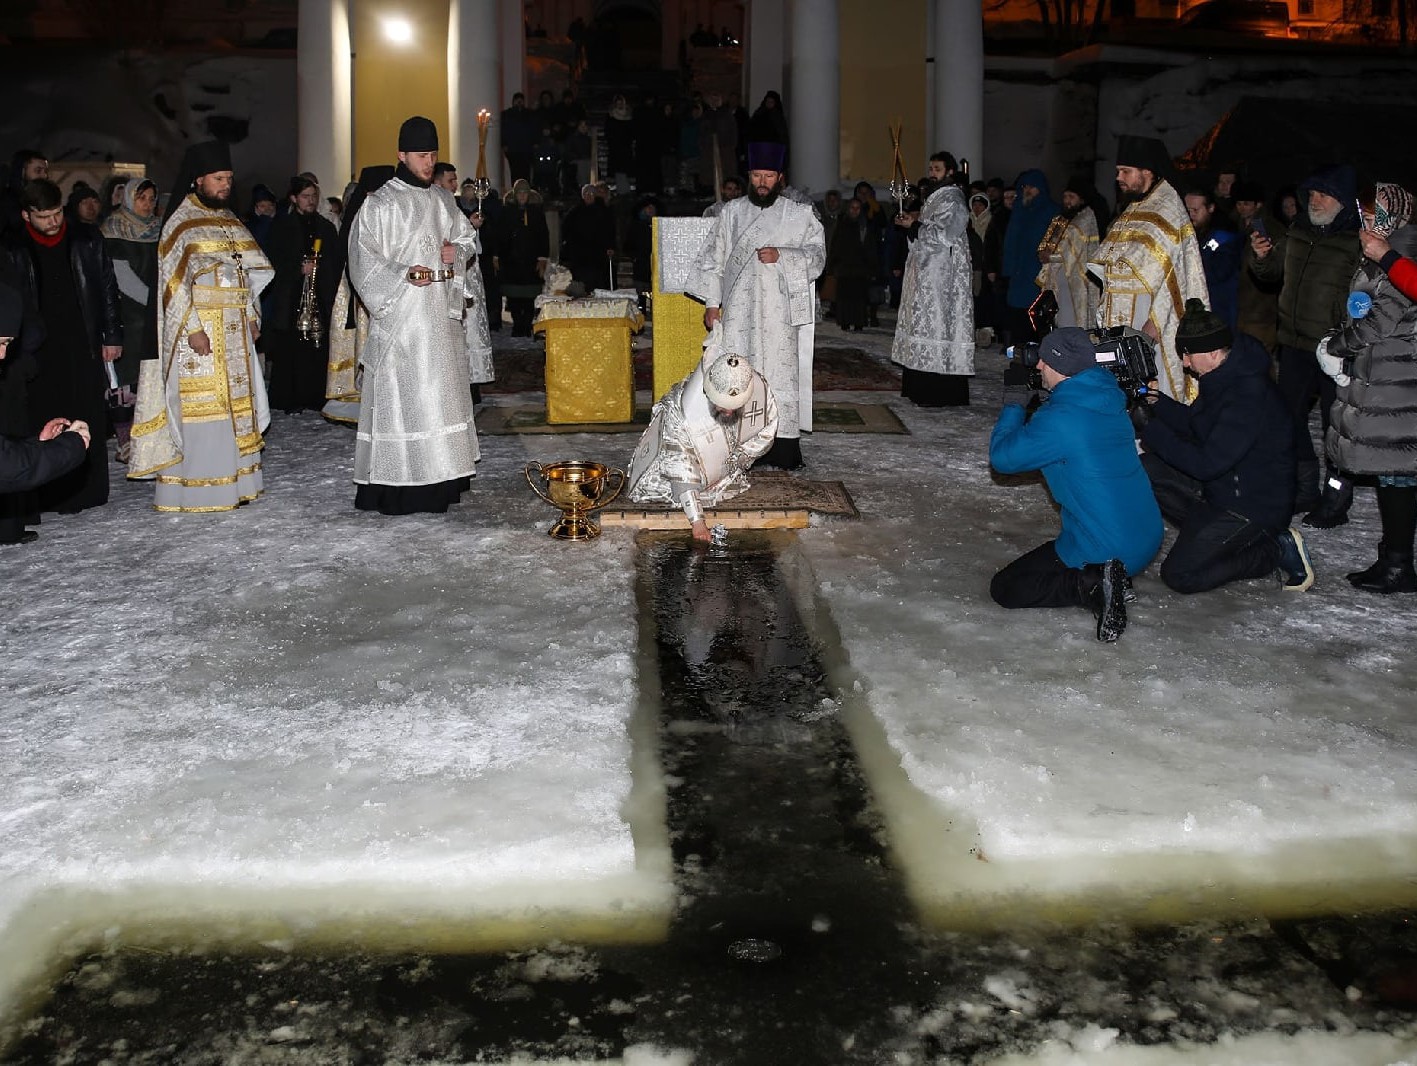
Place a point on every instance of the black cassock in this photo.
(298, 365)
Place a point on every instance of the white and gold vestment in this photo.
(1150, 265)
(199, 418)
(1064, 253)
(346, 342)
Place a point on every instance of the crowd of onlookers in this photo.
(1280, 265)
(653, 146)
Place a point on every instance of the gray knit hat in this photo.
(1068, 350)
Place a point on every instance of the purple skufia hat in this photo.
(766, 155)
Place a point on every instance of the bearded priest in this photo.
(755, 273)
(201, 408)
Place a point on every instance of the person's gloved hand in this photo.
(1018, 389)
(1140, 414)
(1331, 365)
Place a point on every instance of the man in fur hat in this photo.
(202, 407)
(755, 273)
(1149, 264)
(706, 432)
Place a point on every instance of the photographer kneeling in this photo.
(1081, 440)
(1223, 468)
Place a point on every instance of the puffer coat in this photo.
(1373, 422)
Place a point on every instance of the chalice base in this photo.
(575, 527)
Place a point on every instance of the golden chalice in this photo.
(577, 487)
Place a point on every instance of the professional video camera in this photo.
(1126, 352)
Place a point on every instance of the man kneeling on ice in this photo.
(1081, 440)
(706, 432)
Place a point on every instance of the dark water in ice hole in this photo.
(793, 942)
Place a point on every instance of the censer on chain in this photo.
(307, 318)
(481, 186)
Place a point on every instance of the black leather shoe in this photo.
(1333, 504)
(29, 536)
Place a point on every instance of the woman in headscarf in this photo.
(130, 235)
(1372, 357)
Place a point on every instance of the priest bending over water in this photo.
(706, 432)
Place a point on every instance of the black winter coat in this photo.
(1373, 426)
(28, 464)
(292, 236)
(1315, 263)
(1236, 439)
(522, 238)
(94, 282)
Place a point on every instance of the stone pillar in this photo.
(325, 93)
(764, 57)
(814, 103)
(474, 83)
(958, 48)
(511, 33)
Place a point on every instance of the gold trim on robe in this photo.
(194, 410)
(1150, 266)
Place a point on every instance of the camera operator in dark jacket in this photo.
(1081, 441)
(1223, 467)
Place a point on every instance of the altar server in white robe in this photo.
(416, 445)
(934, 333)
(755, 273)
(706, 432)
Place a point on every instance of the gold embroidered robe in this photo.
(1064, 252)
(199, 418)
(1150, 265)
(342, 372)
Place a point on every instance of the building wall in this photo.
(882, 82)
(392, 82)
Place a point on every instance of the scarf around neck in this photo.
(48, 242)
(126, 224)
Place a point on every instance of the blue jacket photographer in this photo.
(1223, 467)
(1081, 440)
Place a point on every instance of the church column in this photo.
(324, 92)
(958, 49)
(474, 84)
(511, 32)
(814, 103)
(763, 54)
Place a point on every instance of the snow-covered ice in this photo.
(297, 720)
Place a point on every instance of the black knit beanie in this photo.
(1202, 331)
